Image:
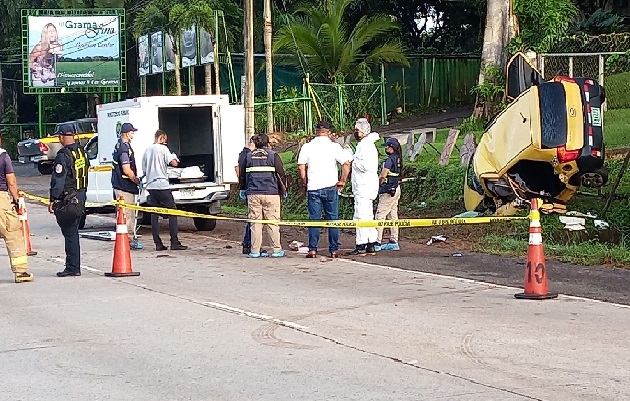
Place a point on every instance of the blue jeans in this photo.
(326, 200)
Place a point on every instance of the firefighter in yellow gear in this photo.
(9, 222)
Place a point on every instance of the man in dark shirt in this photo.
(242, 157)
(125, 180)
(9, 222)
(263, 183)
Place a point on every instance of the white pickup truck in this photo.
(204, 131)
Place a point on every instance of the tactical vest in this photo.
(393, 176)
(119, 179)
(261, 173)
(77, 175)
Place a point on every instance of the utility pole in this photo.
(269, 65)
(248, 61)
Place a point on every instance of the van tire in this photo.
(204, 224)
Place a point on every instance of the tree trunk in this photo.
(501, 26)
(178, 74)
(248, 46)
(207, 69)
(269, 66)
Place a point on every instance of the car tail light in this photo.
(565, 155)
(43, 147)
(596, 153)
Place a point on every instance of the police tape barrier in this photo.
(401, 223)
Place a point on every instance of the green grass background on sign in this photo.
(101, 70)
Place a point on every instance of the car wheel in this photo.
(45, 168)
(204, 224)
(595, 179)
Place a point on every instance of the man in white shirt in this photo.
(317, 165)
(365, 184)
(155, 164)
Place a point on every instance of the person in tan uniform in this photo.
(9, 222)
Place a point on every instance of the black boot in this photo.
(370, 250)
(358, 251)
(247, 249)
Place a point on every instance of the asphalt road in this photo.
(603, 283)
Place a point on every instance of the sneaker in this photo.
(311, 255)
(377, 247)
(279, 254)
(258, 255)
(135, 245)
(264, 254)
(358, 251)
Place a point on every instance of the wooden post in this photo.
(269, 66)
(249, 67)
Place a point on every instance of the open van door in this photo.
(231, 140)
(521, 75)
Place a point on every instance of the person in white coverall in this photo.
(365, 183)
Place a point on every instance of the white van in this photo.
(204, 131)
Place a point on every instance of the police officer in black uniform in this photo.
(68, 186)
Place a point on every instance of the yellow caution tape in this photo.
(55, 139)
(401, 223)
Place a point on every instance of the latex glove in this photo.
(242, 194)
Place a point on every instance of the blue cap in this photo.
(127, 127)
(393, 142)
(65, 129)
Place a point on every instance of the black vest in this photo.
(119, 179)
(393, 177)
(77, 174)
(261, 172)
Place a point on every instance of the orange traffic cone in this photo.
(23, 218)
(536, 271)
(121, 265)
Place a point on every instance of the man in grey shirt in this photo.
(155, 164)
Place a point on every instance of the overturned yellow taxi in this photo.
(546, 144)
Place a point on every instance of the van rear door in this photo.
(231, 140)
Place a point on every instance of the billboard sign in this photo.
(157, 53)
(73, 49)
(143, 55)
(189, 47)
(170, 52)
(206, 46)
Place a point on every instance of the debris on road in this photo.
(296, 245)
(573, 213)
(573, 223)
(100, 235)
(601, 224)
(436, 238)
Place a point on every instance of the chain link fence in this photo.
(605, 58)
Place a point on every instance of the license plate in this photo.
(596, 115)
(186, 193)
(23, 159)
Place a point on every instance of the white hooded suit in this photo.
(365, 181)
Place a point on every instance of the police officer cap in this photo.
(127, 127)
(65, 130)
(393, 142)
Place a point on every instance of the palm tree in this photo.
(330, 48)
(166, 16)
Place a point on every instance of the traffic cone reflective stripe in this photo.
(121, 264)
(536, 271)
(24, 228)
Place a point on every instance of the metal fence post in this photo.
(40, 116)
(340, 108)
(601, 78)
(383, 98)
(571, 67)
(404, 89)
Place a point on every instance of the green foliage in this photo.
(288, 116)
(10, 135)
(542, 23)
(601, 22)
(491, 92)
(320, 38)
(618, 92)
(472, 124)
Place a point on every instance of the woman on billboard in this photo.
(43, 57)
